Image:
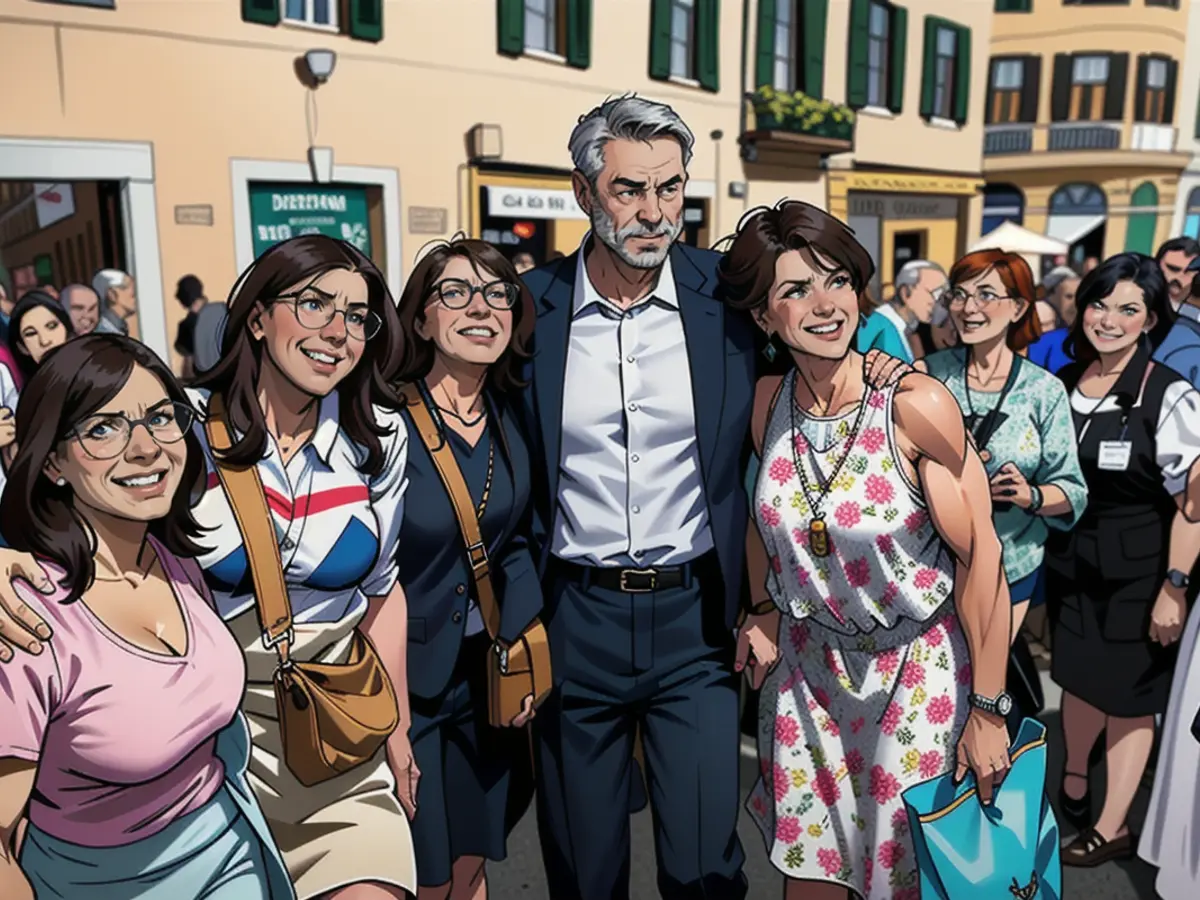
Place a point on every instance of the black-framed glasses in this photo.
(458, 294)
(106, 436)
(315, 314)
(959, 297)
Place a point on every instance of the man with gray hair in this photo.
(118, 300)
(1060, 284)
(638, 411)
(892, 327)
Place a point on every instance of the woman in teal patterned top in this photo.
(1017, 412)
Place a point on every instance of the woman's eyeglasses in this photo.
(107, 436)
(315, 314)
(457, 294)
(958, 298)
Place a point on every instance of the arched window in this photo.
(1078, 200)
(1077, 216)
(1002, 203)
(1139, 236)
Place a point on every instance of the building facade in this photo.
(1083, 141)
(906, 175)
(1186, 220)
(204, 122)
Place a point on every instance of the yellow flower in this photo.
(815, 830)
(799, 778)
(912, 759)
(918, 696)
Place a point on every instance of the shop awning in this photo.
(1013, 238)
(1071, 229)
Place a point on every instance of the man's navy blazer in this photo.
(721, 352)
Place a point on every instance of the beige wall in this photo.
(203, 88)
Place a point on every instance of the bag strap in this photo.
(244, 491)
(460, 498)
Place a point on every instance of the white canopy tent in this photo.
(1031, 246)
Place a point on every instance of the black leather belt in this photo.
(628, 581)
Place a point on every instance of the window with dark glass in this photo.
(878, 54)
(945, 69)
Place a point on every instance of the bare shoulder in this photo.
(765, 392)
(929, 420)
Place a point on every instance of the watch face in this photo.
(1004, 704)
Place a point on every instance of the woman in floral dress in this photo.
(878, 572)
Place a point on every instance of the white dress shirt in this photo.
(630, 491)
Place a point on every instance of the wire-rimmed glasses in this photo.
(315, 314)
(959, 297)
(458, 294)
(105, 436)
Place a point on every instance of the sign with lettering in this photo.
(428, 219)
(917, 184)
(279, 212)
(533, 203)
(194, 214)
(903, 206)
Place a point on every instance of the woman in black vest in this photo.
(1117, 582)
(469, 321)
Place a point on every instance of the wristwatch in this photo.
(1000, 706)
(1178, 580)
(1035, 498)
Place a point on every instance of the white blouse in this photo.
(8, 389)
(1177, 436)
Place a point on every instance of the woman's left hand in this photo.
(1010, 486)
(881, 370)
(1167, 617)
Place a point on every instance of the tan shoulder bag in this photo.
(332, 717)
(523, 668)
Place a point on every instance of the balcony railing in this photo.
(999, 140)
(1159, 138)
(1071, 136)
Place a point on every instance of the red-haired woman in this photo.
(1017, 412)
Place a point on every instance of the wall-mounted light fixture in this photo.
(320, 64)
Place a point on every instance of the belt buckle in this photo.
(649, 574)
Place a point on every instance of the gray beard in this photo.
(605, 229)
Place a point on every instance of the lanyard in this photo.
(982, 430)
(1087, 419)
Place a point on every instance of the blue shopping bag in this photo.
(1006, 850)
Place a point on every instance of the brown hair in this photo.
(418, 355)
(747, 268)
(1015, 275)
(73, 382)
(235, 376)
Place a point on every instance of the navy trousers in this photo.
(622, 661)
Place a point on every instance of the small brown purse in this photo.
(523, 668)
(332, 717)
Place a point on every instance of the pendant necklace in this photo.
(818, 533)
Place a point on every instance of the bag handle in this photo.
(244, 491)
(460, 498)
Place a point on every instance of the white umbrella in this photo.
(1013, 238)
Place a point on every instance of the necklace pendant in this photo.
(818, 538)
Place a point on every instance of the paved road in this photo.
(521, 876)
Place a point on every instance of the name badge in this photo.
(1114, 455)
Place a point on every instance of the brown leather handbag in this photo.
(332, 717)
(522, 668)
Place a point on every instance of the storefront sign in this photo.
(279, 212)
(533, 203)
(903, 206)
(916, 184)
(196, 214)
(427, 219)
(53, 202)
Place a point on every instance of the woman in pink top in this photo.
(110, 741)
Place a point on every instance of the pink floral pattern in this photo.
(855, 721)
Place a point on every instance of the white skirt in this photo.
(1171, 836)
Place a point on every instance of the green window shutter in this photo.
(660, 39)
(962, 75)
(261, 12)
(899, 58)
(856, 61)
(366, 20)
(929, 67)
(707, 35)
(764, 58)
(510, 27)
(816, 15)
(579, 33)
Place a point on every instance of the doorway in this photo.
(906, 246)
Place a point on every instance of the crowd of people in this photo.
(325, 618)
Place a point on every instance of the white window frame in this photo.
(687, 41)
(1089, 70)
(547, 11)
(879, 79)
(943, 88)
(309, 10)
(785, 67)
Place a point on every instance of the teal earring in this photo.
(770, 352)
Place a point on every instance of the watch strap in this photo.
(1178, 579)
(1036, 498)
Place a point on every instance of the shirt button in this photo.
(636, 510)
(639, 553)
(629, 359)
(456, 618)
(635, 457)
(460, 589)
(629, 315)
(633, 407)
